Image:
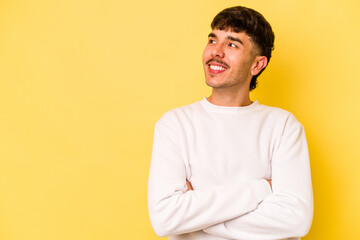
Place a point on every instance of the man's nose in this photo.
(218, 51)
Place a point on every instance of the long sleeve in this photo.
(172, 209)
(288, 211)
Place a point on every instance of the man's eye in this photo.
(232, 45)
(212, 41)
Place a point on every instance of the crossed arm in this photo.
(246, 210)
(190, 187)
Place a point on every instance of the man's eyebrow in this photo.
(235, 39)
(212, 35)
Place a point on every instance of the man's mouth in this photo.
(216, 66)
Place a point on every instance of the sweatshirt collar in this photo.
(222, 109)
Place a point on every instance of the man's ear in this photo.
(259, 64)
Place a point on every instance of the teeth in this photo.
(218, 68)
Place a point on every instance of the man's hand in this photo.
(269, 181)
(189, 186)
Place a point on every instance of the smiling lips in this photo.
(215, 68)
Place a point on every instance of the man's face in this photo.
(228, 59)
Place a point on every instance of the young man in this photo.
(227, 167)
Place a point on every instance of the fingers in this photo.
(269, 181)
(189, 186)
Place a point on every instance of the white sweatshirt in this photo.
(227, 153)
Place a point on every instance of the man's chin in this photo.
(213, 81)
(215, 84)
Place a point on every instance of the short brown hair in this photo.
(243, 19)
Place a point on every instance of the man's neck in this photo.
(229, 99)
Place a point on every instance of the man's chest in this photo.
(228, 154)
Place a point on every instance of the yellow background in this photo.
(82, 84)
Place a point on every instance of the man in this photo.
(227, 167)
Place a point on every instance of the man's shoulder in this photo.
(274, 110)
(179, 112)
(280, 115)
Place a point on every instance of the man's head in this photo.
(253, 24)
